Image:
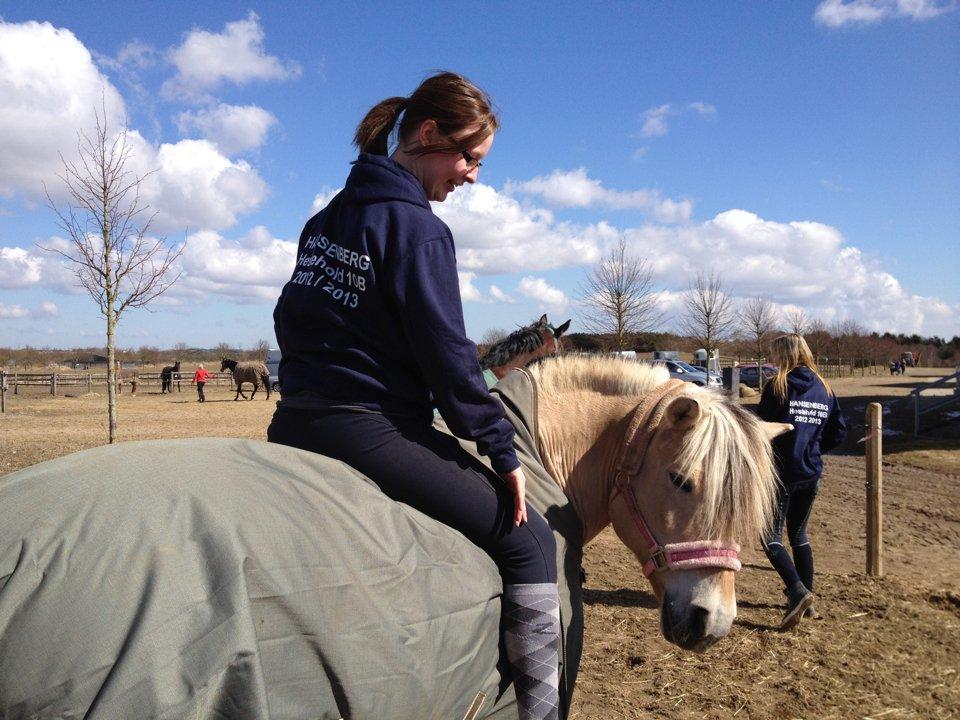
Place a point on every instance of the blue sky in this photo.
(809, 152)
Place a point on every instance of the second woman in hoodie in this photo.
(800, 396)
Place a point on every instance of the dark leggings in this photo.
(200, 396)
(416, 464)
(794, 504)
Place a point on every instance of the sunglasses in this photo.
(471, 161)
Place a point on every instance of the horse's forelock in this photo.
(730, 453)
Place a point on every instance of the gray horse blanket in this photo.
(223, 578)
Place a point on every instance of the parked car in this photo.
(273, 366)
(715, 378)
(688, 373)
(750, 376)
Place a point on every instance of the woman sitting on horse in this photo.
(371, 331)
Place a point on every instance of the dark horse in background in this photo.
(166, 377)
(521, 347)
(253, 372)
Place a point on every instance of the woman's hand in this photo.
(518, 484)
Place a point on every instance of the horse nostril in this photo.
(698, 621)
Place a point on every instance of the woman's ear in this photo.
(428, 133)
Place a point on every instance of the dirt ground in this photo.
(886, 647)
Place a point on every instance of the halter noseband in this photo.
(672, 556)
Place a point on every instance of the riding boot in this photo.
(531, 634)
(798, 600)
(803, 560)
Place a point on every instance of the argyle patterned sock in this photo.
(531, 634)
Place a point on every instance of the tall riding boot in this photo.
(531, 634)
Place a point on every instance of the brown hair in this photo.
(452, 101)
(788, 352)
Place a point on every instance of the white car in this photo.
(273, 366)
(689, 373)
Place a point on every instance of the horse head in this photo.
(696, 478)
(682, 473)
(226, 363)
(551, 335)
(523, 346)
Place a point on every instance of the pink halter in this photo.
(672, 556)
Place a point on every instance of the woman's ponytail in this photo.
(463, 113)
(373, 132)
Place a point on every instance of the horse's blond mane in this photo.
(597, 373)
(728, 450)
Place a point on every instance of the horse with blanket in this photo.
(234, 578)
(253, 372)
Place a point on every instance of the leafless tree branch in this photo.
(708, 315)
(108, 243)
(619, 296)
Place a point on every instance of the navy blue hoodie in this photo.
(819, 425)
(372, 317)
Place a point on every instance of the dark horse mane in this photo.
(523, 340)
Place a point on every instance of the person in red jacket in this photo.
(199, 378)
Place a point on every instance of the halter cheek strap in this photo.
(672, 556)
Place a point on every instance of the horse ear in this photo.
(561, 330)
(774, 429)
(683, 412)
(542, 320)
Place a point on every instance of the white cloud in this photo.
(801, 263)
(132, 56)
(702, 108)
(252, 268)
(543, 292)
(19, 268)
(49, 89)
(205, 60)
(47, 309)
(13, 312)
(468, 291)
(232, 128)
(574, 188)
(323, 199)
(194, 185)
(837, 13)
(500, 296)
(495, 234)
(655, 121)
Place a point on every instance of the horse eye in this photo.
(681, 482)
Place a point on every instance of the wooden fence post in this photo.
(875, 489)
(53, 384)
(3, 392)
(89, 382)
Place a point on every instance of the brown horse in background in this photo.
(131, 376)
(252, 371)
(523, 346)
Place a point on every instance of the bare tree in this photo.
(797, 321)
(817, 337)
(493, 335)
(619, 297)
(223, 350)
(708, 315)
(759, 317)
(106, 224)
(260, 350)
